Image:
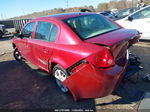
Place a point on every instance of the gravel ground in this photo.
(24, 87)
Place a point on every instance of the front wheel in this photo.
(17, 55)
(60, 75)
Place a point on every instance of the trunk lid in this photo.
(117, 41)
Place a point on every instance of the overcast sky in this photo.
(13, 8)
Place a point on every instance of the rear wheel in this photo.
(17, 55)
(60, 75)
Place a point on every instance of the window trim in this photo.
(52, 24)
(32, 30)
(51, 32)
(48, 34)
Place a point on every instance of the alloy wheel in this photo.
(60, 76)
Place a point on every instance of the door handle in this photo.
(45, 50)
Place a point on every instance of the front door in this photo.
(141, 22)
(24, 46)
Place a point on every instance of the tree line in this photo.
(121, 4)
(117, 4)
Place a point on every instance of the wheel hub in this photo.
(60, 77)
(18, 55)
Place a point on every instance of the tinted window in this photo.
(105, 14)
(124, 12)
(142, 14)
(54, 32)
(91, 25)
(43, 30)
(27, 31)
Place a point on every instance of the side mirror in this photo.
(17, 31)
(21, 36)
(18, 35)
(130, 18)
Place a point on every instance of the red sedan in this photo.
(85, 52)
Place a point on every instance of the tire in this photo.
(1, 34)
(17, 55)
(60, 75)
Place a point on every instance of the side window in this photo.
(46, 31)
(43, 31)
(142, 14)
(54, 32)
(27, 31)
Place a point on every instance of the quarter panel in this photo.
(67, 55)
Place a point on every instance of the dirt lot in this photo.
(25, 87)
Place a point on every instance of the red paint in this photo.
(88, 80)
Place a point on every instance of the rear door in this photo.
(43, 43)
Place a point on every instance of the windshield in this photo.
(124, 12)
(89, 26)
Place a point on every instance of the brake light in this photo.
(102, 60)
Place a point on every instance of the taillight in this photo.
(102, 60)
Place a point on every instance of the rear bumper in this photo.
(90, 82)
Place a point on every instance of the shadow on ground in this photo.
(127, 95)
(24, 88)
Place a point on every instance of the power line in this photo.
(67, 4)
(23, 12)
(2, 16)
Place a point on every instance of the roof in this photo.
(65, 15)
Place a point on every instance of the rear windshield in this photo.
(89, 26)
